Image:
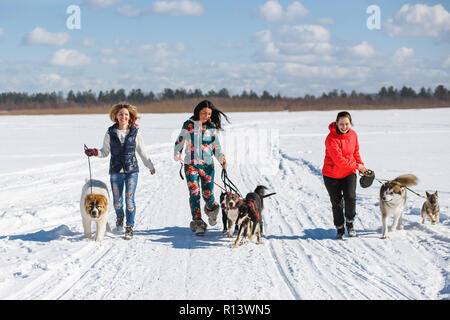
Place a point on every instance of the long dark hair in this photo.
(216, 115)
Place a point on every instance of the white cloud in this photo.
(304, 33)
(107, 51)
(272, 11)
(160, 50)
(69, 58)
(100, 4)
(129, 11)
(39, 36)
(363, 49)
(420, 20)
(263, 36)
(305, 44)
(402, 53)
(326, 20)
(88, 42)
(178, 8)
(446, 63)
(52, 80)
(109, 60)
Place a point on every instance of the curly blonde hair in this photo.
(131, 109)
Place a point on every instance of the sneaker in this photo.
(128, 233)
(198, 226)
(351, 230)
(340, 233)
(212, 213)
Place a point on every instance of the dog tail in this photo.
(407, 180)
(269, 195)
(260, 190)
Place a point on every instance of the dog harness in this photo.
(253, 205)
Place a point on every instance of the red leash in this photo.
(246, 201)
(202, 175)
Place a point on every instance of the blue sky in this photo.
(288, 47)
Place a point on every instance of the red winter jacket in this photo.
(341, 153)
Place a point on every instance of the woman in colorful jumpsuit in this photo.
(342, 160)
(122, 140)
(200, 135)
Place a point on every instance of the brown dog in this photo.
(430, 208)
(393, 201)
(94, 205)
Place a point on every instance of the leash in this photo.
(382, 181)
(89, 162)
(202, 175)
(229, 184)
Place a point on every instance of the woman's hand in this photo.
(224, 164)
(177, 157)
(362, 169)
(152, 171)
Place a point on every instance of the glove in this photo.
(91, 152)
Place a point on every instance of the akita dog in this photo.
(393, 201)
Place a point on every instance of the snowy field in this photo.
(43, 254)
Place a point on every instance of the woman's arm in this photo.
(179, 144)
(218, 151)
(106, 149)
(140, 148)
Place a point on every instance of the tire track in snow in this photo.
(347, 254)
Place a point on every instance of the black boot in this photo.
(340, 233)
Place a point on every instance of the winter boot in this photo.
(340, 233)
(350, 230)
(128, 233)
(198, 226)
(119, 224)
(212, 213)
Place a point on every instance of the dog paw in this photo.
(259, 242)
(385, 237)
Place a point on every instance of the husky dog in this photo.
(249, 215)
(393, 201)
(94, 207)
(430, 208)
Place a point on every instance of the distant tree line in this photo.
(23, 100)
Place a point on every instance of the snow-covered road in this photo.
(43, 254)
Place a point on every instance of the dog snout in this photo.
(94, 213)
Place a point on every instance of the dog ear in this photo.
(436, 193)
(428, 194)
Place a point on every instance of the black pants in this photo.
(342, 195)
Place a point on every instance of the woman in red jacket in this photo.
(342, 160)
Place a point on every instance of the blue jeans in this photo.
(118, 181)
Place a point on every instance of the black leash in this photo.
(89, 162)
(382, 181)
(229, 184)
